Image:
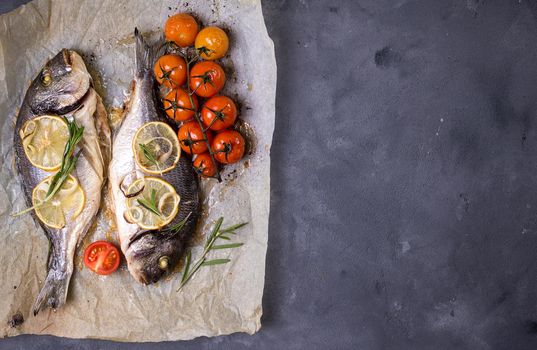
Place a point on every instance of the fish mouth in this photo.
(67, 58)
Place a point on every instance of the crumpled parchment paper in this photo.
(219, 299)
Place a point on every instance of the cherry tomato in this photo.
(218, 113)
(207, 78)
(101, 257)
(178, 106)
(212, 43)
(182, 29)
(191, 138)
(204, 165)
(228, 146)
(170, 70)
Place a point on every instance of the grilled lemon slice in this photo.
(152, 203)
(65, 205)
(43, 140)
(156, 148)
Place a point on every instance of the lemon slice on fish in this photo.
(65, 205)
(43, 140)
(156, 148)
(152, 203)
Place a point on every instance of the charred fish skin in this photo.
(145, 251)
(63, 87)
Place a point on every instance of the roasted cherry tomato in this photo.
(178, 106)
(102, 257)
(182, 29)
(218, 113)
(228, 146)
(204, 165)
(191, 138)
(207, 78)
(170, 70)
(212, 43)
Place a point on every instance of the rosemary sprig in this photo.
(177, 227)
(69, 160)
(151, 203)
(215, 234)
(148, 154)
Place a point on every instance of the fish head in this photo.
(61, 84)
(151, 256)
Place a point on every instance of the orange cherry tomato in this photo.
(204, 165)
(212, 43)
(218, 113)
(228, 146)
(178, 106)
(207, 78)
(191, 138)
(182, 29)
(170, 70)
(101, 257)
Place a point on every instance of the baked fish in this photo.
(150, 252)
(64, 88)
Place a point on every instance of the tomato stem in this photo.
(189, 61)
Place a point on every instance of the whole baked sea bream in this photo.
(61, 105)
(154, 188)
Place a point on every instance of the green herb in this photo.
(68, 163)
(177, 227)
(148, 154)
(151, 203)
(215, 234)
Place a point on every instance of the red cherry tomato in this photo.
(101, 257)
(204, 165)
(191, 138)
(207, 78)
(228, 146)
(178, 106)
(182, 29)
(218, 113)
(170, 70)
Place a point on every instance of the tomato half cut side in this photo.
(102, 257)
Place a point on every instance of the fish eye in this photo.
(46, 78)
(163, 262)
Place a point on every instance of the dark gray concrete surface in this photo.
(404, 179)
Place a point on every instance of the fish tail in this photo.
(143, 54)
(53, 293)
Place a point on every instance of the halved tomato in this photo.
(101, 257)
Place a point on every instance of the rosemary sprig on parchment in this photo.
(215, 235)
(69, 160)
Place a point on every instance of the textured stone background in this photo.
(404, 202)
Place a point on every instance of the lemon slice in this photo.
(152, 203)
(156, 148)
(43, 140)
(65, 205)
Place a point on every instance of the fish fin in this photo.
(143, 54)
(104, 132)
(53, 293)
